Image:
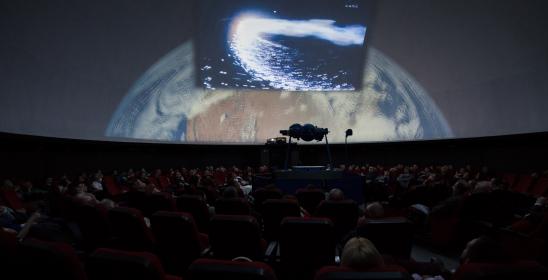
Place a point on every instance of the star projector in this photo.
(306, 132)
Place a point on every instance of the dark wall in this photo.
(40, 156)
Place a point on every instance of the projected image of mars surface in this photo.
(166, 105)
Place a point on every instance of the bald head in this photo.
(335, 195)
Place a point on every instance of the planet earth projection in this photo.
(166, 105)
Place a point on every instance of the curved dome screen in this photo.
(240, 71)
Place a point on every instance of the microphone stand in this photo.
(328, 154)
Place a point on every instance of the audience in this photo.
(434, 191)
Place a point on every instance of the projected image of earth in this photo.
(273, 53)
(166, 105)
(277, 45)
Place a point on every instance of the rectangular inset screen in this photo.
(283, 44)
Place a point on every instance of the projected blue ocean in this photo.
(262, 50)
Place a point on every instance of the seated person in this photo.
(373, 210)
(360, 254)
(483, 249)
(335, 195)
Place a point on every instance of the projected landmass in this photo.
(164, 104)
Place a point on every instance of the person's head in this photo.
(81, 188)
(359, 253)
(460, 188)
(541, 201)
(109, 204)
(482, 249)
(230, 192)
(335, 195)
(374, 210)
(8, 185)
(139, 186)
(482, 187)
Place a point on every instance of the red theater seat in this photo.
(309, 199)
(210, 269)
(274, 211)
(159, 202)
(178, 240)
(94, 226)
(261, 195)
(391, 236)
(344, 215)
(129, 230)
(529, 270)
(509, 179)
(232, 236)
(108, 264)
(49, 260)
(111, 187)
(232, 206)
(196, 206)
(523, 183)
(386, 272)
(163, 182)
(540, 188)
(8, 253)
(11, 199)
(306, 244)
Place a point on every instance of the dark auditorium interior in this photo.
(274, 139)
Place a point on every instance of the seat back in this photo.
(274, 210)
(129, 229)
(109, 264)
(232, 206)
(159, 202)
(49, 260)
(211, 269)
(111, 187)
(9, 257)
(523, 183)
(509, 179)
(387, 272)
(529, 270)
(11, 199)
(344, 215)
(137, 200)
(196, 206)
(310, 199)
(540, 188)
(391, 236)
(94, 226)
(307, 243)
(164, 182)
(261, 195)
(177, 239)
(233, 236)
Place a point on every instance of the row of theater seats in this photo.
(175, 237)
(35, 259)
(307, 242)
(526, 183)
